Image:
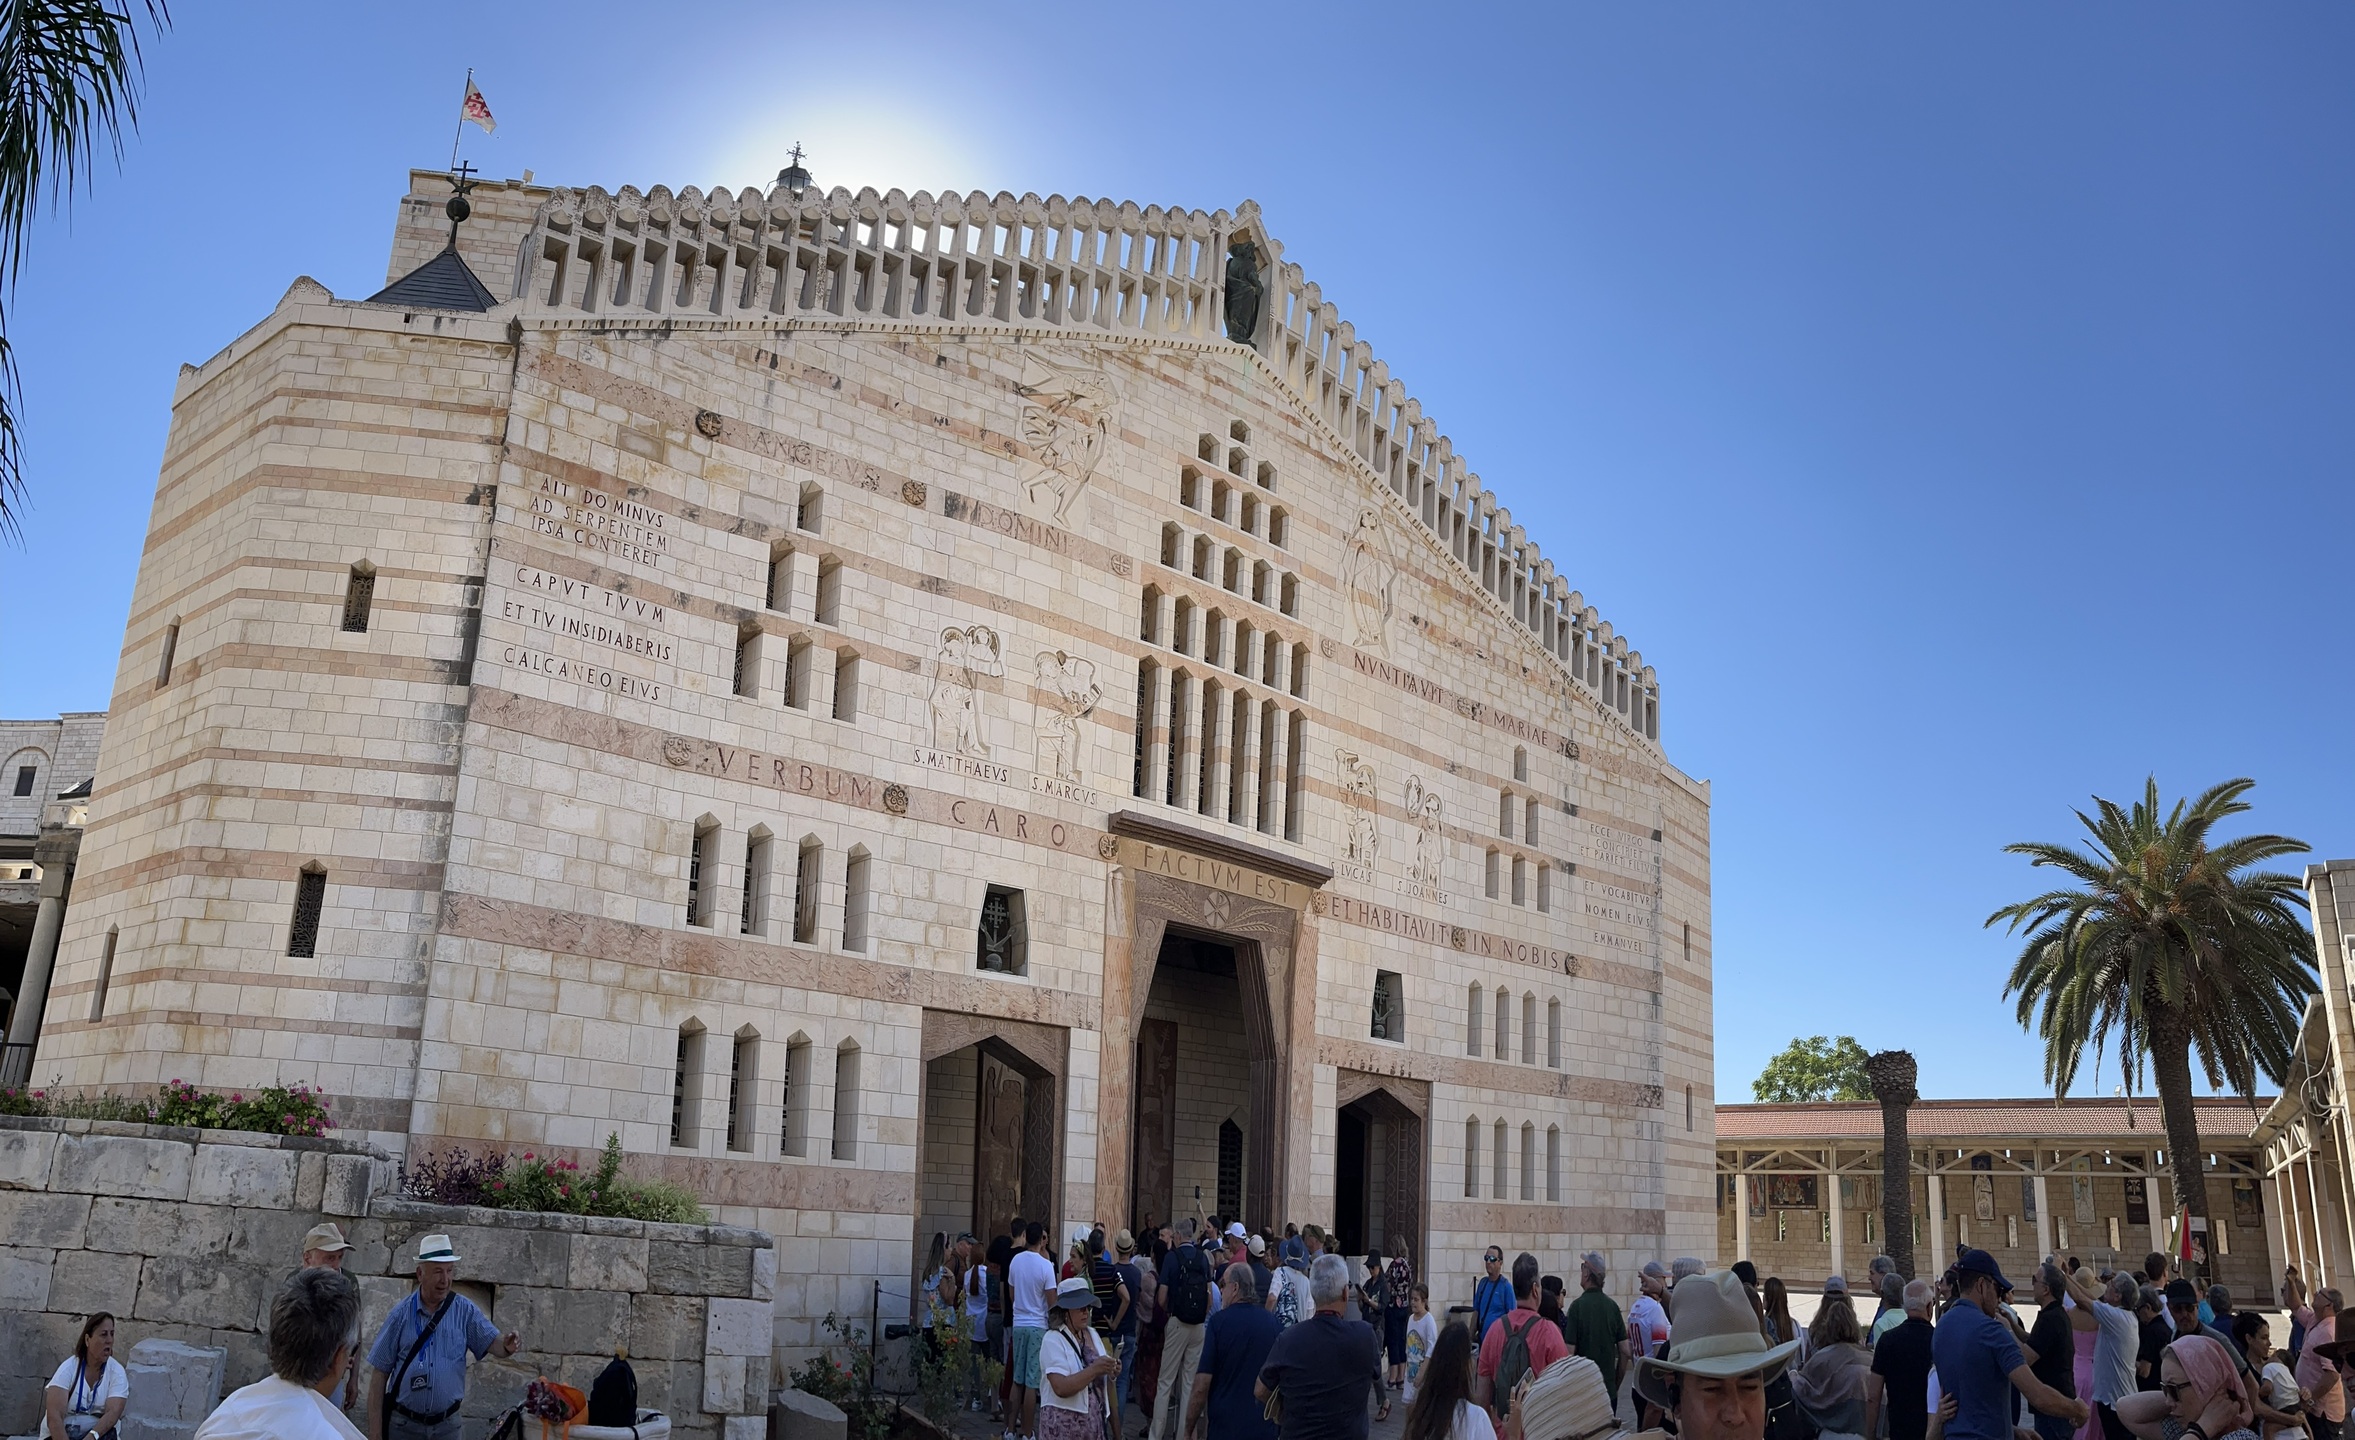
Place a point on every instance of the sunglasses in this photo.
(1494, 1259)
(2173, 1389)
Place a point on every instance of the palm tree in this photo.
(2169, 944)
(69, 78)
(1891, 1073)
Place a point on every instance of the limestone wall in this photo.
(186, 1234)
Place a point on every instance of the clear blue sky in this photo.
(1953, 403)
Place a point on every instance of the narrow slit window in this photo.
(1529, 1028)
(858, 896)
(1500, 1167)
(702, 874)
(846, 1101)
(755, 917)
(1528, 1160)
(798, 657)
(1553, 1164)
(1475, 1022)
(794, 1131)
(310, 899)
(1389, 1017)
(846, 685)
(105, 974)
(359, 598)
(746, 682)
(1472, 1158)
(1002, 941)
(811, 512)
(163, 664)
(829, 604)
(780, 596)
(805, 891)
(1553, 1033)
(685, 1073)
(743, 1077)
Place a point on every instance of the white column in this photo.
(1934, 1196)
(2277, 1237)
(1839, 1216)
(2314, 1208)
(2285, 1199)
(2043, 1209)
(2158, 1213)
(1742, 1215)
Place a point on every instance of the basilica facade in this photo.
(910, 711)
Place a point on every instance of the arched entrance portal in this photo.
(1209, 1113)
(1380, 1162)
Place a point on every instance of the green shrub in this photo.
(276, 1110)
(534, 1182)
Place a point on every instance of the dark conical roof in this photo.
(442, 283)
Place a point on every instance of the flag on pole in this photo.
(477, 109)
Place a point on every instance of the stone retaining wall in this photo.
(186, 1234)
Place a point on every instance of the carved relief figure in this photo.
(1369, 576)
(1430, 858)
(956, 715)
(1070, 682)
(1357, 782)
(1067, 422)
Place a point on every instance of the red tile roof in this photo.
(2221, 1118)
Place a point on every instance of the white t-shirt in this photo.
(1058, 1356)
(275, 1409)
(1470, 1423)
(2281, 1387)
(977, 1298)
(1031, 1276)
(1422, 1333)
(1647, 1324)
(90, 1394)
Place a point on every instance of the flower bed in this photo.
(275, 1110)
(457, 1176)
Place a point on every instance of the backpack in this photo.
(1189, 1289)
(1288, 1295)
(1512, 1362)
(613, 1395)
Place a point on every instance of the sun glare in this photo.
(847, 146)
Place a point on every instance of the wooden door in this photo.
(997, 1147)
(1154, 1163)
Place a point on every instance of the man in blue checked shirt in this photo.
(420, 1355)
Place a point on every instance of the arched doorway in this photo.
(1380, 1165)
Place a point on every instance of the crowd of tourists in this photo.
(1214, 1331)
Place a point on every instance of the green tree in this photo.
(2166, 943)
(69, 79)
(1816, 1068)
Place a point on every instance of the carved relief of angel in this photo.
(956, 716)
(1070, 682)
(1430, 858)
(1357, 782)
(1066, 421)
(1369, 577)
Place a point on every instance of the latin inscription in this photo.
(1219, 874)
(587, 676)
(1065, 790)
(1004, 522)
(614, 525)
(1464, 705)
(1423, 929)
(965, 765)
(616, 603)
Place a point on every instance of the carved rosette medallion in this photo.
(707, 424)
(915, 492)
(895, 799)
(677, 750)
(1107, 847)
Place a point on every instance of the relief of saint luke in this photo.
(1071, 683)
(1369, 576)
(956, 713)
(1357, 782)
(1430, 858)
(1067, 423)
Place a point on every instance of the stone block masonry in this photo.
(185, 1235)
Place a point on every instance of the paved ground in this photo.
(1134, 1427)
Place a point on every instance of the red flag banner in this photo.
(477, 110)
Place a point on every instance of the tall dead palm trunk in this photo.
(1891, 1073)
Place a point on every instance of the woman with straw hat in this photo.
(1071, 1361)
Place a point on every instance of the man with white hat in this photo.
(1713, 1378)
(420, 1354)
(323, 1249)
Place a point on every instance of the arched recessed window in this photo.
(1545, 888)
(794, 1135)
(1528, 1160)
(1288, 595)
(780, 596)
(798, 664)
(1474, 1022)
(1553, 1163)
(310, 902)
(1173, 545)
(359, 598)
(846, 684)
(1553, 1033)
(1520, 881)
(1279, 522)
(858, 899)
(1504, 1025)
(1530, 810)
(743, 1083)
(1149, 616)
(106, 974)
(811, 513)
(746, 680)
(1299, 670)
(753, 918)
(1529, 1027)
(1389, 1018)
(1521, 764)
(686, 1077)
(1002, 941)
(1499, 1166)
(1144, 727)
(805, 890)
(829, 604)
(1494, 877)
(1504, 813)
(1472, 1158)
(703, 872)
(846, 1100)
